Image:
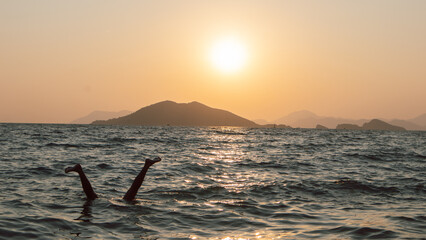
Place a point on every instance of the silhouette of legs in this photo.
(131, 193)
(87, 187)
(133, 190)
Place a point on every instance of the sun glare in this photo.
(228, 55)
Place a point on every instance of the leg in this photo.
(87, 187)
(133, 190)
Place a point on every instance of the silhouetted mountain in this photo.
(377, 124)
(307, 119)
(180, 114)
(374, 124)
(99, 115)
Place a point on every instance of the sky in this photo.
(61, 60)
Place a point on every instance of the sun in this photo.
(228, 55)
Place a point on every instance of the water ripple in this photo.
(213, 183)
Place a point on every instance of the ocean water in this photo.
(212, 183)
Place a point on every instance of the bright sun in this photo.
(228, 55)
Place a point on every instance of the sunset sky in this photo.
(60, 60)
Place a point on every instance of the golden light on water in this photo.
(260, 235)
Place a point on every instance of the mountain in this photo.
(374, 124)
(377, 124)
(420, 120)
(99, 115)
(406, 124)
(297, 117)
(307, 119)
(179, 114)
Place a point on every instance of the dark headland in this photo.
(169, 113)
(374, 124)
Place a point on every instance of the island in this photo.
(374, 124)
(319, 126)
(169, 113)
(377, 124)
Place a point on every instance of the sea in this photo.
(212, 183)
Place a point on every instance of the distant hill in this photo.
(374, 124)
(180, 114)
(420, 120)
(406, 124)
(99, 115)
(307, 119)
(377, 124)
(298, 119)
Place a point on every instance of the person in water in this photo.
(131, 193)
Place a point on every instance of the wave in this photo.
(230, 132)
(42, 171)
(358, 232)
(69, 145)
(420, 219)
(350, 184)
(121, 140)
(191, 193)
(374, 157)
(104, 166)
(299, 183)
(291, 215)
(32, 227)
(386, 155)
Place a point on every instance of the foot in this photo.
(76, 168)
(150, 162)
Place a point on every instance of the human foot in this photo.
(152, 161)
(76, 168)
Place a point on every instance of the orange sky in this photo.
(60, 60)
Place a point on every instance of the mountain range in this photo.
(169, 113)
(307, 119)
(374, 124)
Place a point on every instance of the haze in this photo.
(60, 60)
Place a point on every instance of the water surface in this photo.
(213, 183)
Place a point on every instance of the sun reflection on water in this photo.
(258, 235)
